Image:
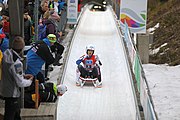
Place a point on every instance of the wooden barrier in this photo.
(37, 94)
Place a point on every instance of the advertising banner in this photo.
(72, 12)
(149, 112)
(134, 13)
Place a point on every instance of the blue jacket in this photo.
(4, 45)
(37, 56)
(60, 6)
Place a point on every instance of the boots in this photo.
(57, 58)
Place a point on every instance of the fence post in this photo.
(37, 93)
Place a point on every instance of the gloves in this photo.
(78, 61)
(81, 59)
(100, 63)
(97, 59)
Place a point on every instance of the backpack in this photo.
(47, 93)
(41, 32)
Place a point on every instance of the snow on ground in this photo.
(164, 84)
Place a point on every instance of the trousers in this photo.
(12, 108)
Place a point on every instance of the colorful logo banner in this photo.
(134, 13)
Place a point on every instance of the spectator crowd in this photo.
(47, 50)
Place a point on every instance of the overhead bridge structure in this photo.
(116, 100)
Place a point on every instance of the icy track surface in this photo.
(115, 100)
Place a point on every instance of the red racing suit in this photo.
(90, 64)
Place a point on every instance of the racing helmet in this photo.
(61, 89)
(90, 47)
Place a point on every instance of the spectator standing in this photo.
(43, 8)
(51, 23)
(13, 78)
(5, 22)
(27, 28)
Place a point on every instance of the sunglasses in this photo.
(52, 38)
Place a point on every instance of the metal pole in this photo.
(16, 10)
(22, 88)
(36, 20)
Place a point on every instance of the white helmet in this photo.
(90, 47)
(61, 89)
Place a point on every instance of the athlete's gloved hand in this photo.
(78, 61)
(100, 63)
(81, 59)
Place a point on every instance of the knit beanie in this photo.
(18, 43)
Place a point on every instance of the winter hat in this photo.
(61, 89)
(52, 38)
(18, 43)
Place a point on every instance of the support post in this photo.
(37, 93)
(16, 19)
(16, 10)
(36, 21)
(143, 47)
